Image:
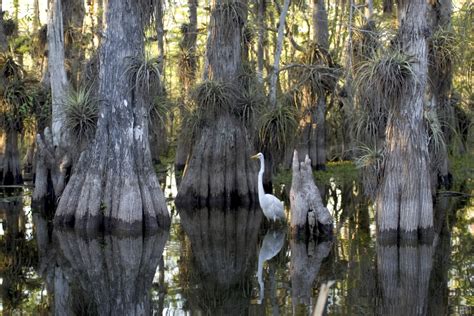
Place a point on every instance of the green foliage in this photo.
(10, 69)
(369, 157)
(389, 74)
(317, 70)
(144, 73)
(16, 104)
(443, 49)
(277, 126)
(81, 112)
(213, 98)
(435, 131)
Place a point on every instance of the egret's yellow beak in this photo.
(254, 156)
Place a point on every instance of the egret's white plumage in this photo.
(271, 206)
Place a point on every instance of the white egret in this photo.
(271, 206)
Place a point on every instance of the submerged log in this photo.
(307, 209)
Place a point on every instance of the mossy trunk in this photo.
(11, 163)
(219, 171)
(403, 202)
(114, 185)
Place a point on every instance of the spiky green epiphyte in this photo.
(277, 126)
(214, 98)
(81, 112)
(389, 74)
(144, 74)
(17, 103)
(435, 130)
(443, 49)
(10, 70)
(159, 111)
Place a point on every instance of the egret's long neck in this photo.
(261, 192)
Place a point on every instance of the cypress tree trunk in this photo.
(440, 73)
(114, 185)
(403, 201)
(73, 16)
(187, 77)
(53, 143)
(219, 171)
(11, 162)
(261, 9)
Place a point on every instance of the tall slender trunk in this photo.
(188, 46)
(11, 164)
(403, 203)
(114, 185)
(219, 171)
(278, 50)
(318, 127)
(73, 12)
(261, 9)
(440, 74)
(53, 144)
(369, 10)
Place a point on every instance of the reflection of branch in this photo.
(322, 297)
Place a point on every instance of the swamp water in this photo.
(214, 262)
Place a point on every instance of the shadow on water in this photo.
(233, 262)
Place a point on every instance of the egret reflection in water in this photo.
(271, 246)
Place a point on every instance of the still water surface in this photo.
(214, 262)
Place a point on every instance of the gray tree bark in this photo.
(278, 50)
(261, 10)
(307, 209)
(188, 45)
(52, 146)
(11, 171)
(403, 202)
(219, 171)
(114, 185)
(73, 13)
(440, 74)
